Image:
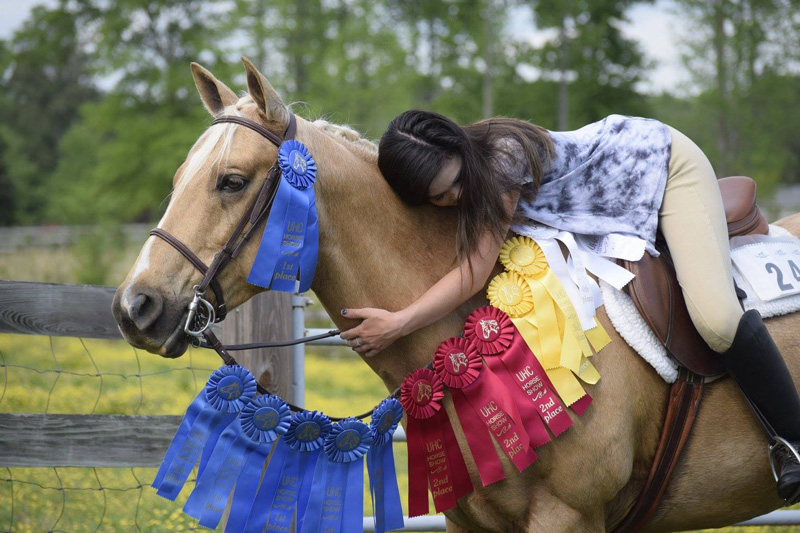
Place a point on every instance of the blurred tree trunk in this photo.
(591, 65)
(563, 63)
(723, 146)
(488, 43)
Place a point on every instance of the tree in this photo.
(740, 54)
(122, 155)
(45, 79)
(596, 68)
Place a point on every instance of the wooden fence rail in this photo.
(62, 310)
(119, 440)
(84, 440)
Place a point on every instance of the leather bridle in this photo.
(251, 219)
(202, 313)
(200, 308)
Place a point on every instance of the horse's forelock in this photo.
(202, 149)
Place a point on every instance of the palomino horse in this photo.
(377, 252)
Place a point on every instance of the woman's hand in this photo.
(378, 329)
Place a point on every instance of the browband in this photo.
(290, 132)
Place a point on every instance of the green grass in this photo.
(335, 383)
(338, 384)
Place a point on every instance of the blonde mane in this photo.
(364, 147)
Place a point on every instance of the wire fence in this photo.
(49, 375)
(84, 422)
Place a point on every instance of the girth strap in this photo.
(684, 401)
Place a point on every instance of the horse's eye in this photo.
(231, 183)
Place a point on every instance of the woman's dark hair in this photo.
(417, 143)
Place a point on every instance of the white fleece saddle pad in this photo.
(632, 327)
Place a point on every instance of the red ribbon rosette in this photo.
(433, 451)
(508, 355)
(482, 402)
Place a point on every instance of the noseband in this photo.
(202, 313)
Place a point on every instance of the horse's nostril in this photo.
(144, 309)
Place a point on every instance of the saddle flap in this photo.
(657, 295)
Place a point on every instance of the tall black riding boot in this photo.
(756, 365)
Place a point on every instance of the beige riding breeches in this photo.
(692, 219)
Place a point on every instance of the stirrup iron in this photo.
(780, 441)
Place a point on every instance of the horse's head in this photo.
(212, 190)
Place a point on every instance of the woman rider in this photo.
(619, 178)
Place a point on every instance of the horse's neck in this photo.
(376, 252)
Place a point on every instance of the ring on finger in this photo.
(358, 343)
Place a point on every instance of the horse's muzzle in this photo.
(149, 321)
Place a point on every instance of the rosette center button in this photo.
(522, 255)
(348, 440)
(487, 329)
(510, 293)
(266, 418)
(422, 392)
(307, 431)
(230, 387)
(456, 362)
(298, 162)
(386, 422)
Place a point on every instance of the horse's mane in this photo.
(347, 135)
(340, 132)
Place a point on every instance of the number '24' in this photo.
(773, 268)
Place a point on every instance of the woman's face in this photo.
(444, 188)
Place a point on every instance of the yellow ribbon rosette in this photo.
(523, 256)
(508, 292)
(530, 293)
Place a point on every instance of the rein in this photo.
(202, 313)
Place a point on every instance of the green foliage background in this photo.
(98, 110)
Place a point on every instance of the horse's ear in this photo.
(214, 94)
(265, 95)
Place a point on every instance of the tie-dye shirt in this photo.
(605, 178)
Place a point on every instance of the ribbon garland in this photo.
(260, 423)
(290, 244)
(380, 464)
(433, 451)
(503, 376)
(337, 493)
(483, 404)
(228, 391)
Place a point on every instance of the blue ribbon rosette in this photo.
(290, 242)
(380, 463)
(228, 391)
(337, 492)
(288, 480)
(239, 454)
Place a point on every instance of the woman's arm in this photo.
(380, 328)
